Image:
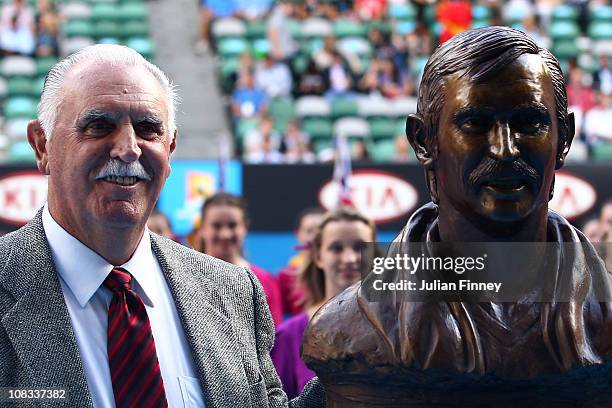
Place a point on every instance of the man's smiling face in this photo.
(108, 157)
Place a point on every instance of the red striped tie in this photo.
(137, 380)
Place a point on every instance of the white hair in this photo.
(114, 55)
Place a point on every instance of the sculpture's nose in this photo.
(502, 144)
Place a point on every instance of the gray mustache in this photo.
(490, 169)
(118, 168)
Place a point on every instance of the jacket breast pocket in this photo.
(259, 393)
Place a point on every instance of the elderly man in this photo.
(492, 127)
(93, 303)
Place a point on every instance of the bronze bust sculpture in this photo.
(491, 128)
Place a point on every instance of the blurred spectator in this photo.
(160, 224)
(223, 230)
(279, 34)
(369, 81)
(401, 53)
(496, 17)
(262, 144)
(370, 9)
(335, 265)
(592, 230)
(17, 40)
(532, 29)
(514, 10)
(359, 151)
(455, 17)
(300, 153)
(289, 278)
(338, 77)
(324, 57)
(267, 154)
(302, 9)
(602, 77)
(247, 100)
(297, 145)
(252, 9)
(246, 65)
(383, 78)
(273, 77)
(209, 12)
(385, 49)
(380, 43)
(597, 121)
(17, 29)
(334, 9)
(312, 81)
(579, 93)
(47, 29)
(18, 11)
(402, 149)
(393, 82)
(419, 41)
(545, 9)
(344, 7)
(312, 8)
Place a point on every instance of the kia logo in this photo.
(381, 196)
(22, 193)
(573, 196)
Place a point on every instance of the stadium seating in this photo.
(86, 22)
(382, 151)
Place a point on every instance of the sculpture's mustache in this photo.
(490, 170)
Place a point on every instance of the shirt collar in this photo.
(141, 265)
(83, 270)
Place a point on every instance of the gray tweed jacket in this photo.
(222, 308)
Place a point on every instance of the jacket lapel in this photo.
(209, 332)
(38, 324)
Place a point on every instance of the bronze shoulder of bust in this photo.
(350, 335)
(451, 353)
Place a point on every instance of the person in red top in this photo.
(580, 95)
(455, 16)
(370, 9)
(223, 228)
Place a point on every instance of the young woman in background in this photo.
(223, 228)
(334, 266)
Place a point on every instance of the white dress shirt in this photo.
(82, 272)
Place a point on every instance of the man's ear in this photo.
(38, 141)
(571, 130)
(415, 131)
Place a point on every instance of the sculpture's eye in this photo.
(530, 123)
(475, 124)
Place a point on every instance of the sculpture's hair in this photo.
(313, 277)
(479, 55)
(114, 55)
